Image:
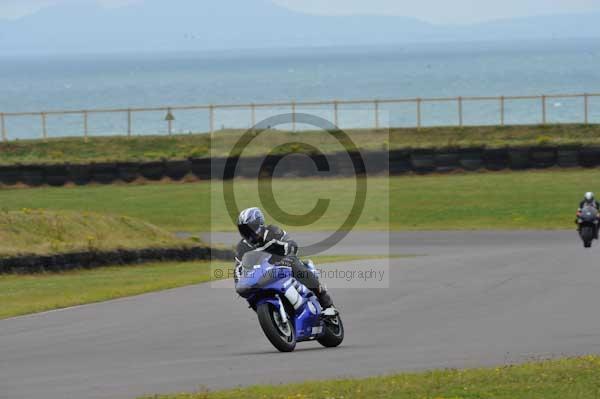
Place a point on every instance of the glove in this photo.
(287, 261)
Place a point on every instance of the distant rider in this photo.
(588, 200)
(257, 236)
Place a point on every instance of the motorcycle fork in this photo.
(282, 312)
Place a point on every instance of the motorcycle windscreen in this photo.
(589, 214)
(259, 272)
(254, 258)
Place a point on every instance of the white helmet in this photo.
(589, 196)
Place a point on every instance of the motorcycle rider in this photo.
(257, 236)
(589, 199)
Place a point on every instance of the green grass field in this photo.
(491, 200)
(200, 145)
(577, 378)
(44, 232)
(20, 294)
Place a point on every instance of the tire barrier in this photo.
(153, 170)
(447, 161)
(567, 157)
(293, 165)
(495, 159)
(128, 171)
(177, 170)
(269, 165)
(423, 161)
(32, 175)
(376, 164)
(518, 158)
(105, 173)
(80, 174)
(201, 168)
(395, 162)
(29, 264)
(248, 167)
(355, 159)
(589, 157)
(216, 168)
(471, 159)
(57, 175)
(399, 161)
(543, 157)
(340, 164)
(10, 175)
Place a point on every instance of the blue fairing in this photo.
(262, 282)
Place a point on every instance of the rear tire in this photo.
(281, 335)
(333, 332)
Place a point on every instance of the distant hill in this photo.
(192, 25)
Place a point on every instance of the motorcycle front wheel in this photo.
(280, 334)
(587, 235)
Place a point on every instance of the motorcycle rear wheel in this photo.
(333, 332)
(280, 334)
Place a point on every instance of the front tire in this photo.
(333, 332)
(587, 235)
(281, 335)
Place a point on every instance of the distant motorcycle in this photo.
(288, 312)
(587, 220)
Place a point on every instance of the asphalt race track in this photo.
(470, 299)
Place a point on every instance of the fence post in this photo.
(460, 111)
(586, 105)
(543, 110)
(85, 126)
(211, 118)
(129, 123)
(44, 127)
(253, 112)
(502, 106)
(294, 116)
(336, 117)
(3, 128)
(419, 101)
(376, 114)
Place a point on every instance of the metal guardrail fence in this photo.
(293, 106)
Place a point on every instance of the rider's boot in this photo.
(326, 302)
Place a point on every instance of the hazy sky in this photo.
(439, 11)
(17, 8)
(447, 11)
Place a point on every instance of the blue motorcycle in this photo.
(288, 312)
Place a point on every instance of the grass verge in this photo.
(42, 232)
(489, 200)
(26, 294)
(140, 148)
(557, 379)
